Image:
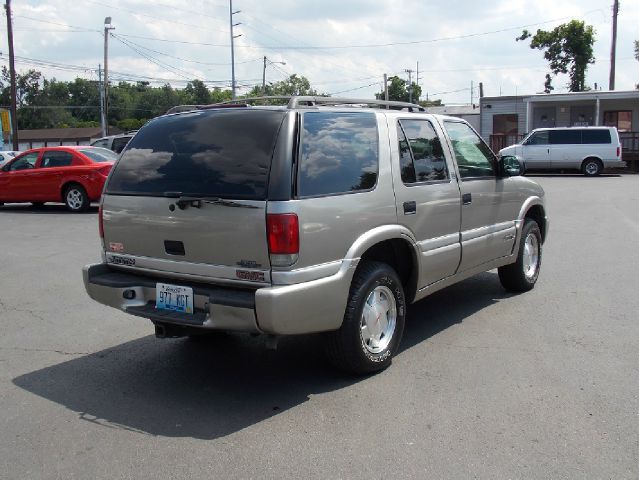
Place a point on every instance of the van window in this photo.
(565, 137)
(216, 153)
(338, 153)
(597, 136)
(538, 138)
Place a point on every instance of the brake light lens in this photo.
(283, 238)
(618, 151)
(100, 222)
(104, 171)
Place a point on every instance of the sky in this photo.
(343, 47)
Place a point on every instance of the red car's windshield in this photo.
(97, 154)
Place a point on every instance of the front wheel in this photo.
(522, 275)
(373, 322)
(76, 198)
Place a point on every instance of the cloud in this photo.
(280, 29)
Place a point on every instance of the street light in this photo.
(270, 62)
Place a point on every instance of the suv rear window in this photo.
(216, 153)
(338, 153)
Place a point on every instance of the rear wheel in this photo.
(76, 198)
(373, 322)
(522, 275)
(591, 167)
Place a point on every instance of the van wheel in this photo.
(522, 275)
(373, 322)
(76, 198)
(591, 167)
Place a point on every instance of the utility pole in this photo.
(264, 73)
(613, 47)
(100, 87)
(472, 86)
(481, 90)
(410, 85)
(417, 75)
(107, 27)
(233, 37)
(386, 89)
(12, 72)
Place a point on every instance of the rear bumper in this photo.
(615, 164)
(307, 307)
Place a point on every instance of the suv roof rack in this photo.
(296, 101)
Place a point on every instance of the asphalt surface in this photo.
(487, 384)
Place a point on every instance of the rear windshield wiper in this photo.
(196, 201)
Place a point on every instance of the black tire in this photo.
(591, 167)
(76, 198)
(347, 348)
(521, 276)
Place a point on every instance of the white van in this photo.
(589, 149)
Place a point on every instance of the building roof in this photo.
(570, 96)
(44, 134)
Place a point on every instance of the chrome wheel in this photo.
(75, 198)
(379, 317)
(531, 256)
(592, 168)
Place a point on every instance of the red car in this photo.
(71, 175)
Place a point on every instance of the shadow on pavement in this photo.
(210, 389)
(46, 209)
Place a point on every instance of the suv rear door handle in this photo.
(467, 199)
(410, 208)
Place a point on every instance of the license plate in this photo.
(174, 298)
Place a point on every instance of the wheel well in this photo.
(537, 214)
(67, 185)
(400, 255)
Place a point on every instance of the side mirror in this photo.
(510, 166)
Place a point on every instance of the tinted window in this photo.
(338, 153)
(595, 136)
(473, 156)
(25, 162)
(119, 143)
(99, 154)
(52, 158)
(421, 154)
(101, 143)
(218, 153)
(565, 137)
(538, 138)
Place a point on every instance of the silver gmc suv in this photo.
(324, 215)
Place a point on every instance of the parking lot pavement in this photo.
(487, 385)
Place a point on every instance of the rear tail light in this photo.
(618, 151)
(104, 171)
(100, 222)
(283, 238)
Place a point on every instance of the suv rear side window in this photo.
(598, 136)
(421, 154)
(214, 153)
(338, 153)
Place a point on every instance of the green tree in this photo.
(568, 48)
(196, 93)
(293, 85)
(398, 90)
